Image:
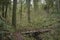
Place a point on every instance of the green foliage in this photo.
(6, 26)
(40, 19)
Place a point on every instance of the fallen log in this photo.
(36, 33)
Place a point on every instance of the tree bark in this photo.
(14, 13)
(35, 5)
(20, 11)
(28, 10)
(3, 9)
(6, 10)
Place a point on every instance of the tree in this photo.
(28, 9)
(20, 11)
(4, 4)
(2, 8)
(35, 5)
(6, 7)
(58, 5)
(14, 13)
(49, 5)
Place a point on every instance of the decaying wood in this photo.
(37, 31)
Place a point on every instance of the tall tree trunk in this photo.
(3, 9)
(6, 10)
(14, 13)
(35, 5)
(57, 6)
(28, 9)
(20, 11)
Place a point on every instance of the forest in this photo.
(29, 19)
